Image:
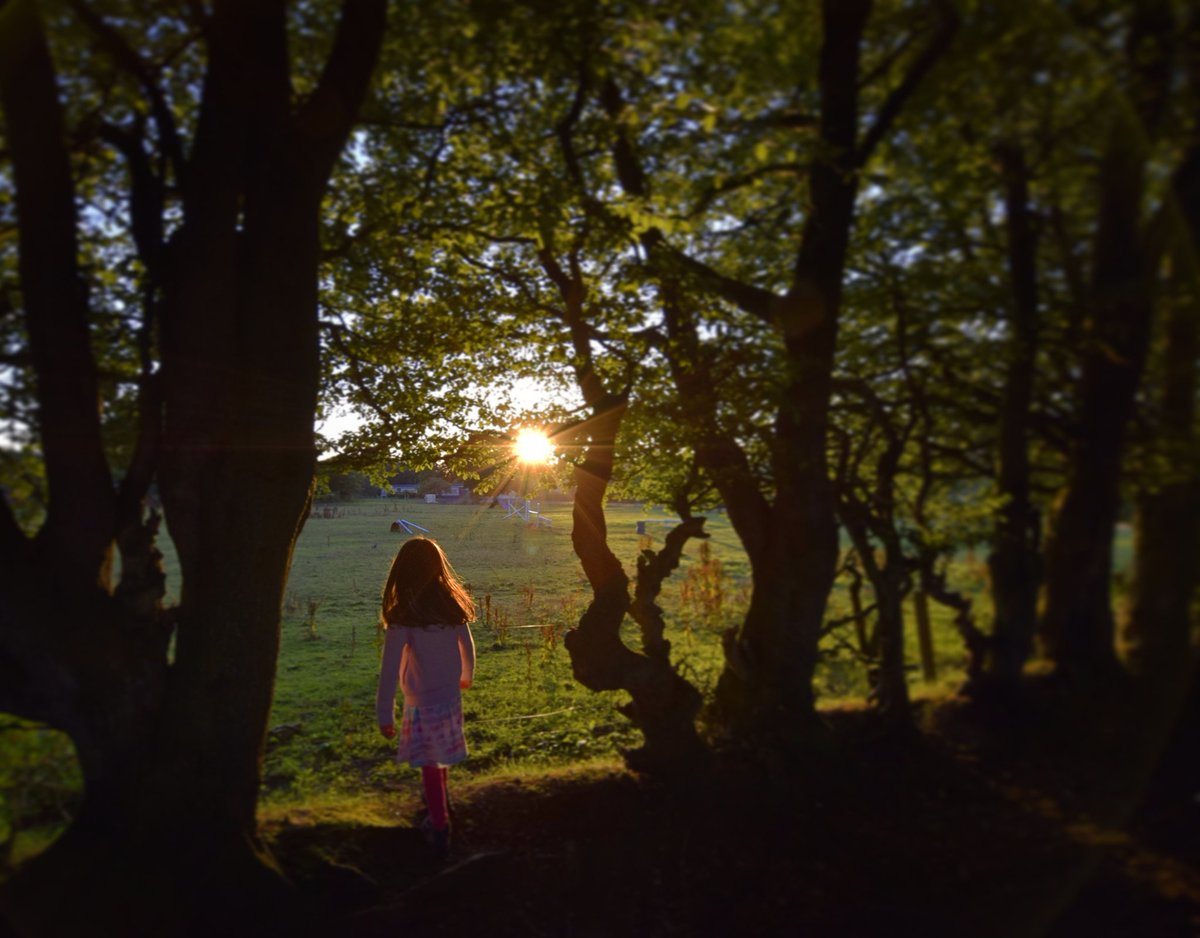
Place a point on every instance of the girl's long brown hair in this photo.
(422, 588)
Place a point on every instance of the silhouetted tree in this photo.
(167, 707)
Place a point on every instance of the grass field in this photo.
(525, 710)
(525, 707)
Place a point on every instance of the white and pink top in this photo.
(429, 664)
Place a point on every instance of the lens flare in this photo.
(533, 446)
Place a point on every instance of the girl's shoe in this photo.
(438, 840)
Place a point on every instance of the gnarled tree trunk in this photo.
(664, 704)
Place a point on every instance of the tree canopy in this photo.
(879, 280)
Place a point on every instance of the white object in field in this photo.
(408, 527)
(523, 509)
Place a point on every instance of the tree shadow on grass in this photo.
(948, 831)
(1028, 825)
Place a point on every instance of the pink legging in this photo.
(435, 778)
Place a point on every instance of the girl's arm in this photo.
(389, 677)
(466, 651)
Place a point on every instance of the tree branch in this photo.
(749, 298)
(81, 509)
(145, 195)
(324, 120)
(741, 180)
(629, 168)
(565, 131)
(128, 59)
(900, 95)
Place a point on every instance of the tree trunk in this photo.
(1014, 560)
(925, 636)
(890, 581)
(664, 705)
(1166, 567)
(170, 751)
(1167, 521)
(766, 689)
(1077, 621)
(868, 647)
(1077, 624)
(764, 695)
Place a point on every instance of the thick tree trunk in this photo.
(766, 689)
(765, 695)
(1014, 561)
(170, 751)
(1167, 521)
(664, 705)
(1077, 621)
(1166, 570)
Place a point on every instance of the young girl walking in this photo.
(429, 650)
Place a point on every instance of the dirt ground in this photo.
(974, 824)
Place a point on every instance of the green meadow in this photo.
(525, 711)
(525, 708)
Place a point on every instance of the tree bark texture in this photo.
(1077, 623)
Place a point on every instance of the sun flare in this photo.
(533, 446)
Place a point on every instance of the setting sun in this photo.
(533, 446)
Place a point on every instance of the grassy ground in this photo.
(525, 709)
(1051, 820)
(1027, 829)
(525, 712)
(1060, 818)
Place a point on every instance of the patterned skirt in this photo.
(432, 735)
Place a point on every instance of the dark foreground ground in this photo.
(1007, 826)
(975, 824)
